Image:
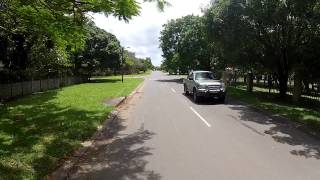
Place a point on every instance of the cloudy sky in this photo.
(141, 34)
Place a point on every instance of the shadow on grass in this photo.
(104, 80)
(281, 130)
(117, 156)
(37, 133)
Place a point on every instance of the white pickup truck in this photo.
(204, 84)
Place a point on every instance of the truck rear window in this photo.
(204, 76)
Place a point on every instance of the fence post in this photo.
(40, 85)
(21, 88)
(10, 90)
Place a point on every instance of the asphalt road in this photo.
(163, 135)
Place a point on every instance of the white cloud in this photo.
(141, 34)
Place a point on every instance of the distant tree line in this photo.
(42, 38)
(275, 38)
(102, 55)
(134, 65)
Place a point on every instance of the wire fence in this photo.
(310, 91)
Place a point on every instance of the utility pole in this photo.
(121, 64)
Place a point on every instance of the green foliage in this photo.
(148, 63)
(50, 27)
(266, 36)
(37, 131)
(275, 37)
(184, 45)
(102, 51)
(135, 65)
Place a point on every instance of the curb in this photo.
(69, 165)
(135, 91)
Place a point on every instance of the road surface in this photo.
(164, 135)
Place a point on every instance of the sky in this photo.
(141, 34)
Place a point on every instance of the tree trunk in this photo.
(269, 82)
(306, 86)
(250, 82)
(297, 86)
(235, 79)
(20, 56)
(283, 86)
(283, 72)
(283, 76)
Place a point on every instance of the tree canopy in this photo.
(101, 52)
(38, 36)
(275, 37)
(271, 36)
(184, 45)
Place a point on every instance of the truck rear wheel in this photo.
(186, 92)
(195, 96)
(222, 99)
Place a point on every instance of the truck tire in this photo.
(186, 92)
(195, 96)
(222, 99)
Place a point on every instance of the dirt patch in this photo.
(114, 102)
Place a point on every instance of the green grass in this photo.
(38, 130)
(141, 74)
(303, 113)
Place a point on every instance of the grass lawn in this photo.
(38, 130)
(142, 74)
(303, 113)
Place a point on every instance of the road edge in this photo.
(135, 91)
(68, 164)
(304, 128)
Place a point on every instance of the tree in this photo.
(184, 45)
(56, 25)
(267, 35)
(101, 52)
(148, 63)
(136, 65)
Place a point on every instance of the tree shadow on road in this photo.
(281, 130)
(117, 156)
(204, 101)
(178, 81)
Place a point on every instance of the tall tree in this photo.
(102, 51)
(184, 45)
(58, 24)
(273, 35)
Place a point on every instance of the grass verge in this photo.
(140, 75)
(39, 130)
(269, 102)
